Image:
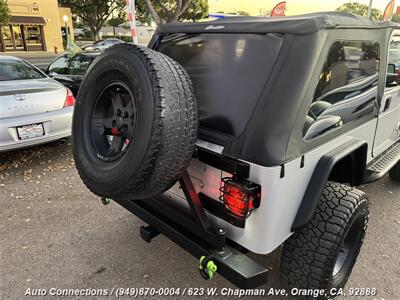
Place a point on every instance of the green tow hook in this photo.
(105, 200)
(207, 268)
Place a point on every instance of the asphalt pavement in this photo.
(55, 234)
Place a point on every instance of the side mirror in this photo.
(391, 75)
(323, 125)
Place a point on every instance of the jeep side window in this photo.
(346, 89)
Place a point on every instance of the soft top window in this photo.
(348, 62)
(229, 72)
(346, 89)
(18, 70)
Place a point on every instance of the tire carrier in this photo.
(194, 233)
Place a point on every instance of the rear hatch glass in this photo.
(229, 72)
(18, 70)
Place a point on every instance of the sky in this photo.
(294, 7)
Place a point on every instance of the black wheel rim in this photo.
(348, 249)
(112, 122)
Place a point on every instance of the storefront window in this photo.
(7, 37)
(18, 40)
(32, 35)
(22, 37)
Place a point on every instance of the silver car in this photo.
(34, 109)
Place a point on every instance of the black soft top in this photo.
(264, 128)
(301, 24)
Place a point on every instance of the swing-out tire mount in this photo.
(181, 228)
(232, 264)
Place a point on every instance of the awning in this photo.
(27, 20)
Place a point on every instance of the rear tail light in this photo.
(240, 197)
(70, 99)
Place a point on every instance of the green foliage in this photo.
(396, 18)
(115, 22)
(171, 10)
(77, 24)
(197, 10)
(93, 13)
(88, 35)
(4, 12)
(360, 9)
(142, 14)
(243, 13)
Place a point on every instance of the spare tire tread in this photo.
(174, 131)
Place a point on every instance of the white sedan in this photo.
(34, 109)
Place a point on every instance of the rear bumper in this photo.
(56, 124)
(179, 226)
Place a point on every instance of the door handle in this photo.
(388, 102)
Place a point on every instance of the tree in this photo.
(115, 22)
(4, 13)
(396, 18)
(242, 13)
(94, 13)
(165, 11)
(197, 9)
(360, 9)
(142, 15)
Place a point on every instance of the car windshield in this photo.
(18, 70)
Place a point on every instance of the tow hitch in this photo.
(207, 267)
(105, 201)
(192, 230)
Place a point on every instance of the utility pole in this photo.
(370, 9)
(130, 7)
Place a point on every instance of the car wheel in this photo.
(321, 255)
(394, 173)
(135, 123)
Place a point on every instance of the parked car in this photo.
(79, 32)
(216, 149)
(34, 109)
(102, 45)
(394, 58)
(70, 71)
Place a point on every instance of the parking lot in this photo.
(56, 234)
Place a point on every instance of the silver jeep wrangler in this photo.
(246, 133)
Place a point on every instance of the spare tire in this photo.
(135, 123)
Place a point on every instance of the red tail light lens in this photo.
(70, 100)
(240, 196)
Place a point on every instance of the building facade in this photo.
(35, 26)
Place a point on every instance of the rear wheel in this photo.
(135, 123)
(321, 255)
(394, 173)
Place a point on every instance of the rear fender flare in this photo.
(355, 148)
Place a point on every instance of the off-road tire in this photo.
(165, 133)
(310, 254)
(394, 173)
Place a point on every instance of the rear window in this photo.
(18, 70)
(229, 72)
